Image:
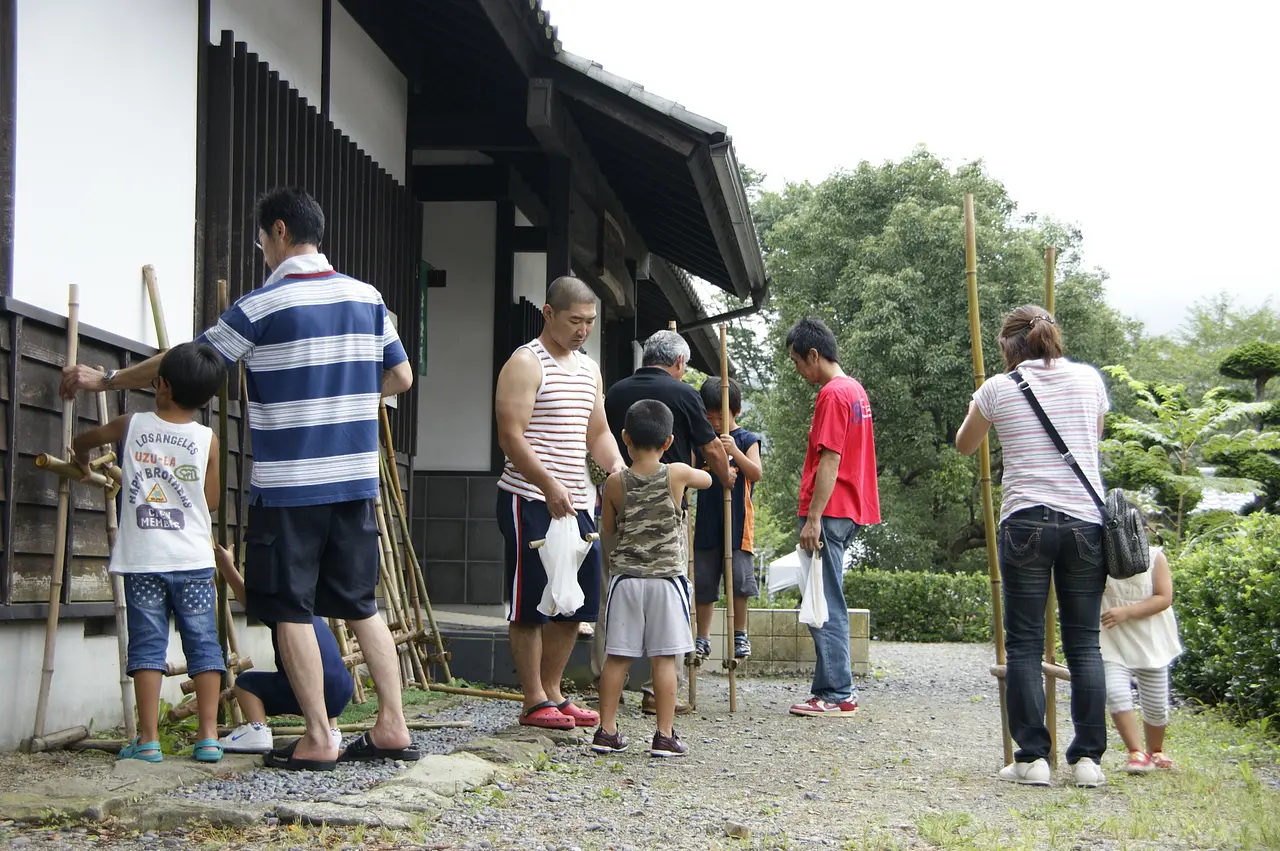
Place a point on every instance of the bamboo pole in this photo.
(984, 466)
(415, 567)
(127, 701)
(223, 600)
(692, 660)
(177, 669)
(390, 589)
(70, 471)
(363, 727)
(339, 628)
(730, 661)
(189, 706)
(1051, 605)
(55, 740)
(157, 309)
(60, 539)
(476, 692)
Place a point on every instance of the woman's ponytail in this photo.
(1030, 333)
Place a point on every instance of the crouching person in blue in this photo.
(262, 694)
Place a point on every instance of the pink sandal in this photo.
(1161, 762)
(581, 717)
(548, 717)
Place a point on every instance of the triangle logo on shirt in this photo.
(157, 494)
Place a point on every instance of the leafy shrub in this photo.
(909, 605)
(1227, 596)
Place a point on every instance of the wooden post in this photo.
(157, 309)
(730, 661)
(117, 597)
(692, 660)
(1051, 606)
(984, 466)
(64, 507)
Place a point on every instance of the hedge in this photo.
(919, 606)
(1226, 592)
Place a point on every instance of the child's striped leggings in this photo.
(1153, 691)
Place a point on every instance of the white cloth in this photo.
(813, 603)
(164, 524)
(562, 555)
(300, 264)
(1140, 643)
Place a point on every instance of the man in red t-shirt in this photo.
(838, 495)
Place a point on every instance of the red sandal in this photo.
(581, 717)
(547, 716)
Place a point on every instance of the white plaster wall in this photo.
(106, 159)
(86, 678)
(369, 98)
(530, 280)
(455, 402)
(286, 34)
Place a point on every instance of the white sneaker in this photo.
(1088, 773)
(248, 738)
(1027, 773)
(336, 735)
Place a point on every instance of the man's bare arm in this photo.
(718, 461)
(824, 482)
(513, 405)
(397, 380)
(600, 442)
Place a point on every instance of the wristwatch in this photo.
(109, 380)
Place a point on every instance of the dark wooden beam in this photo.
(584, 90)
(459, 182)
(8, 125)
(559, 244)
(479, 132)
(326, 56)
(508, 23)
(528, 240)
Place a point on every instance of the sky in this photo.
(1154, 127)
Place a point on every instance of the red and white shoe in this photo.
(1161, 762)
(1139, 763)
(825, 708)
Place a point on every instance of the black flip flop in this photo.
(284, 759)
(364, 750)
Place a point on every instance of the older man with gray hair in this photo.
(666, 356)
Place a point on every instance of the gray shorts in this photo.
(647, 617)
(708, 575)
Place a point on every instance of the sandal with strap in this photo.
(364, 750)
(547, 716)
(207, 750)
(581, 717)
(1161, 762)
(145, 751)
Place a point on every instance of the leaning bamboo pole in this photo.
(691, 660)
(223, 599)
(984, 466)
(70, 471)
(730, 661)
(117, 597)
(60, 533)
(1051, 606)
(157, 309)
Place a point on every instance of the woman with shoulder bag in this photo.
(1050, 526)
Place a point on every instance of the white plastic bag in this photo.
(562, 555)
(813, 602)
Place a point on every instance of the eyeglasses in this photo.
(257, 245)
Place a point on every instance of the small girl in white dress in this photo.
(1139, 641)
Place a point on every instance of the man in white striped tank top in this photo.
(550, 410)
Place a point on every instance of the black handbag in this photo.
(1124, 536)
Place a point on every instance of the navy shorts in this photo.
(276, 693)
(190, 596)
(521, 521)
(307, 560)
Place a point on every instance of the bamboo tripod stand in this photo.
(1049, 667)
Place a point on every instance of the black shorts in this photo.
(521, 521)
(308, 560)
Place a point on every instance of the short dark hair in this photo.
(711, 395)
(567, 291)
(297, 209)
(812, 335)
(649, 424)
(194, 372)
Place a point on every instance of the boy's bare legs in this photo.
(252, 708)
(208, 689)
(664, 691)
(705, 611)
(1127, 726)
(740, 613)
(146, 693)
(611, 680)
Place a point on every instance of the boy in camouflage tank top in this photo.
(647, 604)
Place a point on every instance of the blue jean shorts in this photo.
(190, 596)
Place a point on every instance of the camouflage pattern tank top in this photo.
(651, 528)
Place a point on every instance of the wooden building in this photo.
(462, 158)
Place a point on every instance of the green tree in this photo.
(1163, 450)
(878, 253)
(1258, 362)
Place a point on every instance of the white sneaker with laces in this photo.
(248, 738)
(336, 735)
(1027, 773)
(1088, 774)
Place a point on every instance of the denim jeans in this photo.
(1034, 544)
(190, 596)
(833, 671)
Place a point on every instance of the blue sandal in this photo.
(207, 750)
(145, 751)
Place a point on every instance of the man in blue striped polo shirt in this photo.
(320, 352)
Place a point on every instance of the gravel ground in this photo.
(914, 766)
(486, 717)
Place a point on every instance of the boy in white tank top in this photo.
(165, 548)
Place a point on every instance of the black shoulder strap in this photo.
(1058, 442)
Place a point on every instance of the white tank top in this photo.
(164, 517)
(1143, 642)
(558, 428)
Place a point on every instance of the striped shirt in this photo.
(1074, 396)
(315, 345)
(557, 429)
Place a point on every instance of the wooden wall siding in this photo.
(263, 134)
